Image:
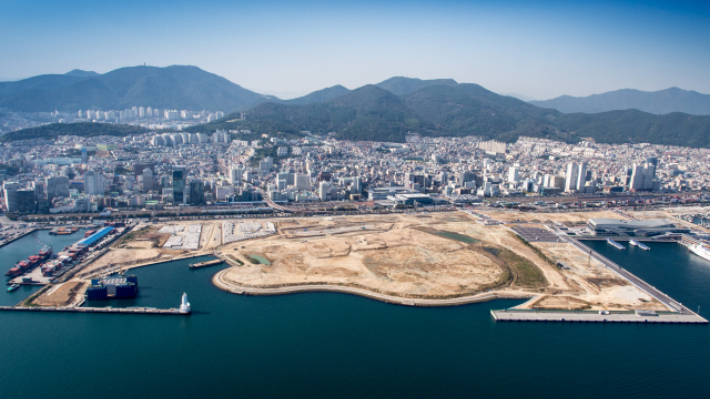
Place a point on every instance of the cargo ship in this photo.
(24, 266)
(63, 230)
(702, 250)
(111, 287)
(46, 252)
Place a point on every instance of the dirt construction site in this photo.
(435, 256)
(423, 256)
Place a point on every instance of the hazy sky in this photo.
(540, 49)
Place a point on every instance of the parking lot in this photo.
(535, 234)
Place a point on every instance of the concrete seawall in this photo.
(72, 309)
(217, 280)
(6, 242)
(589, 317)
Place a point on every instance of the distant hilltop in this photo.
(385, 111)
(173, 87)
(654, 102)
(388, 110)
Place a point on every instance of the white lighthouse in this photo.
(185, 306)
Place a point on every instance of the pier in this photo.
(626, 275)
(206, 263)
(589, 317)
(17, 237)
(72, 309)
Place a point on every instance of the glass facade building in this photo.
(178, 185)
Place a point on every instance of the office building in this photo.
(9, 190)
(197, 192)
(178, 185)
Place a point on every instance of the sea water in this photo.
(327, 345)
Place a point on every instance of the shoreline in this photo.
(391, 299)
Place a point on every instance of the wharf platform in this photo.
(627, 238)
(72, 309)
(669, 302)
(589, 317)
(11, 240)
(206, 263)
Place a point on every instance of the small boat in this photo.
(13, 287)
(638, 244)
(615, 244)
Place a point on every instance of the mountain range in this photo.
(173, 87)
(448, 108)
(654, 102)
(385, 111)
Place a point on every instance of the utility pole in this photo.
(589, 260)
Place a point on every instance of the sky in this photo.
(539, 49)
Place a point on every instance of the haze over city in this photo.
(538, 50)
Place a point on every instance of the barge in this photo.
(113, 287)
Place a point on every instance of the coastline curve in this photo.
(217, 280)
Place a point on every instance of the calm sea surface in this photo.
(340, 346)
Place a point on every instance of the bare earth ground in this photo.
(594, 284)
(62, 295)
(405, 256)
(400, 256)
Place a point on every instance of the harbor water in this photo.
(19, 250)
(325, 345)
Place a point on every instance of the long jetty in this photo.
(73, 309)
(589, 317)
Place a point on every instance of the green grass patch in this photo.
(535, 249)
(234, 258)
(456, 237)
(525, 272)
(258, 259)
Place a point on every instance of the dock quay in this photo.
(9, 241)
(590, 317)
(206, 264)
(629, 238)
(72, 309)
(669, 302)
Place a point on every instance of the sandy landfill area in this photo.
(414, 256)
(435, 256)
